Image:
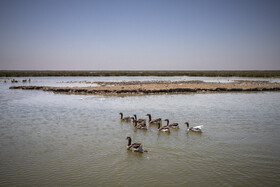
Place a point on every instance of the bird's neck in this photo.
(129, 142)
(121, 116)
(158, 125)
(167, 121)
(150, 118)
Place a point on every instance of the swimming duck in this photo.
(164, 128)
(139, 120)
(172, 125)
(127, 119)
(135, 147)
(155, 121)
(139, 126)
(194, 129)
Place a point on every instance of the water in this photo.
(89, 81)
(49, 139)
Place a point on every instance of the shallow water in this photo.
(49, 139)
(89, 81)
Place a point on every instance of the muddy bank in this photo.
(103, 83)
(150, 87)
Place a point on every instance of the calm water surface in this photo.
(49, 139)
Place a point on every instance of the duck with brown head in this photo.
(126, 119)
(135, 147)
(154, 121)
(139, 126)
(140, 121)
(172, 125)
(163, 129)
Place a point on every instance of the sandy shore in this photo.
(158, 87)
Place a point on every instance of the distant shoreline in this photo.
(253, 73)
(159, 87)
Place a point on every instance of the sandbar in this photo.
(160, 87)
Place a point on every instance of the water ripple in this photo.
(51, 139)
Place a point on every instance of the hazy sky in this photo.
(139, 34)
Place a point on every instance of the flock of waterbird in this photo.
(141, 124)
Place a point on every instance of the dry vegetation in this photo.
(155, 87)
(276, 73)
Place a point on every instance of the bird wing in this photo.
(198, 127)
(136, 145)
(164, 127)
(155, 120)
(141, 121)
(126, 118)
(141, 126)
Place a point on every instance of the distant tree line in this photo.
(19, 73)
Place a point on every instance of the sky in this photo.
(139, 35)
